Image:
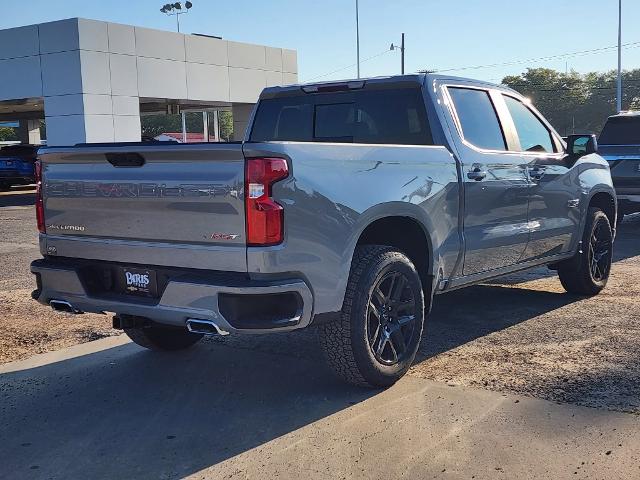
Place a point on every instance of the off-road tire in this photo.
(161, 338)
(576, 274)
(345, 341)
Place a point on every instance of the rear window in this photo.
(621, 131)
(393, 116)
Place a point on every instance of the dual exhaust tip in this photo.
(204, 327)
(63, 306)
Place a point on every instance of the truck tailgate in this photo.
(179, 205)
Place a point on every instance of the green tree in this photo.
(154, 125)
(557, 95)
(225, 121)
(8, 134)
(575, 102)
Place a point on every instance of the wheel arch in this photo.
(415, 242)
(606, 202)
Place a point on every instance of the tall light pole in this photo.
(176, 9)
(619, 89)
(357, 39)
(401, 47)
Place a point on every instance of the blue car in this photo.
(17, 165)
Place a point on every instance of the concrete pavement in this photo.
(108, 409)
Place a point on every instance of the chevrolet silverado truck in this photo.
(349, 206)
(619, 144)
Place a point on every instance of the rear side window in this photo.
(532, 133)
(621, 131)
(381, 116)
(477, 117)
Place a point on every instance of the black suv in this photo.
(619, 143)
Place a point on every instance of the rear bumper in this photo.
(284, 304)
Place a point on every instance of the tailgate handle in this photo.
(125, 159)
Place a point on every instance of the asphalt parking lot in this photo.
(509, 372)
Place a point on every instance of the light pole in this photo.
(401, 47)
(619, 89)
(176, 9)
(357, 39)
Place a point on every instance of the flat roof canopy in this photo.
(92, 80)
(22, 109)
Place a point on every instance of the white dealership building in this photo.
(91, 81)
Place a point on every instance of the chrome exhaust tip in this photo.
(62, 306)
(205, 327)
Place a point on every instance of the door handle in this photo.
(536, 173)
(476, 173)
(125, 159)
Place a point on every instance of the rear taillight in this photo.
(39, 202)
(265, 217)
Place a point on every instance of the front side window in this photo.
(533, 134)
(478, 118)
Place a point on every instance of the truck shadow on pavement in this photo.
(462, 316)
(20, 198)
(129, 413)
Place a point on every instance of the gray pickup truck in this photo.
(348, 206)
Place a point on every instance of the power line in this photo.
(493, 65)
(540, 59)
(348, 66)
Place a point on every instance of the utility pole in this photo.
(402, 54)
(401, 48)
(358, 38)
(619, 89)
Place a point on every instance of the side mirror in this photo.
(580, 145)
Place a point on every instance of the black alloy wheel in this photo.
(377, 335)
(391, 318)
(600, 249)
(587, 272)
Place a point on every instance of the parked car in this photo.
(619, 144)
(349, 206)
(17, 165)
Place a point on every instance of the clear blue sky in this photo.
(440, 34)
